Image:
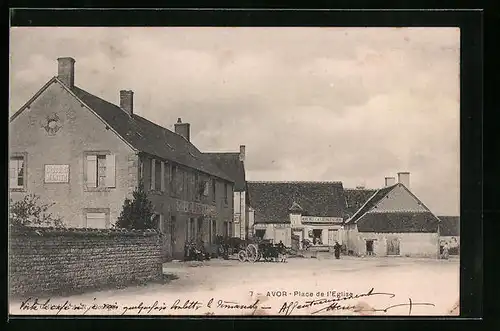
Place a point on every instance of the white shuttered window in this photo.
(96, 220)
(100, 170)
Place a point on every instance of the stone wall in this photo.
(52, 261)
(410, 244)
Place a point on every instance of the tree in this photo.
(31, 212)
(137, 213)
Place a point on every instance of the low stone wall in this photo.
(52, 261)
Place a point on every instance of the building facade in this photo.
(88, 155)
(233, 165)
(393, 222)
(309, 210)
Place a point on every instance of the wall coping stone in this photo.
(89, 232)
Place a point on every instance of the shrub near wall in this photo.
(51, 261)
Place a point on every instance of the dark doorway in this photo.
(200, 229)
(214, 231)
(317, 236)
(173, 234)
(369, 247)
(260, 233)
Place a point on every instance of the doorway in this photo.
(172, 234)
(369, 247)
(260, 233)
(317, 236)
(393, 246)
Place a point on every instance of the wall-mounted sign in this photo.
(56, 173)
(317, 219)
(195, 208)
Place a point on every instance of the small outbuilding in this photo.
(393, 222)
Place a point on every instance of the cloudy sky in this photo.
(347, 104)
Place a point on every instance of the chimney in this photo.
(127, 101)
(182, 128)
(242, 153)
(66, 71)
(389, 181)
(404, 178)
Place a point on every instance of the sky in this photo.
(310, 104)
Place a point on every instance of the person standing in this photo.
(446, 251)
(336, 249)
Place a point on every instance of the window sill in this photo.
(155, 192)
(17, 189)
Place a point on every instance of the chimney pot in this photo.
(389, 181)
(66, 71)
(404, 178)
(127, 101)
(182, 129)
(242, 153)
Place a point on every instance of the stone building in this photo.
(233, 164)
(393, 222)
(87, 155)
(308, 210)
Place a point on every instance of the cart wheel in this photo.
(259, 256)
(242, 256)
(252, 252)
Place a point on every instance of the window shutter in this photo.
(110, 170)
(92, 170)
(152, 176)
(162, 182)
(13, 173)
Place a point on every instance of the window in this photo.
(197, 188)
(180, 180)
(100, 170)
(162, 176)
(225, 193)
(96, 220)
(213, 189)
(167, 175)
(173, 179)
(141, 170)
(17, 172)
(226, 229)
(156, 177)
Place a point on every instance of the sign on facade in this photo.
(317, 219)
(194, 208)
(56, 173)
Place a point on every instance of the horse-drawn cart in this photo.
(251, 250)
(262, 250)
